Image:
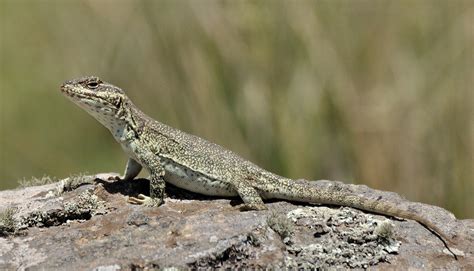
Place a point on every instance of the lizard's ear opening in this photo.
(118, 102)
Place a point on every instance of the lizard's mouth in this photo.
(70, 92)
(90, 99)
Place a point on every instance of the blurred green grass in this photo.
(374, 92)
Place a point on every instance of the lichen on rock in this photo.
(342, 238)
(7, 222)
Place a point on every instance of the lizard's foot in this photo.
(253, 207)
(115, 178)
(119, 178)
(146, 201)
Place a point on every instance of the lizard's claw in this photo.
(252, 207)
(140, 199)
(145, 200)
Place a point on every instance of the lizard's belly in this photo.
(190, 180)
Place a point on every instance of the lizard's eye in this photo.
(92, 84)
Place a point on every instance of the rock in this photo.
(86, 223)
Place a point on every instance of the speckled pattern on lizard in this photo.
(197, 165)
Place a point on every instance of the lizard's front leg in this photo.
(132, 169)
(157, 183)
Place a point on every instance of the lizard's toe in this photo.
(140, 199)
(145, 200)
(114, 178)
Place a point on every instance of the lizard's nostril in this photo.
(64, 86)
(68, 82)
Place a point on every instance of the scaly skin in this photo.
(192, 163)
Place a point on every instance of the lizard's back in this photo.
(198, 165)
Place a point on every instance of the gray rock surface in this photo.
(85, 223)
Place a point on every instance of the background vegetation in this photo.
(373, 92)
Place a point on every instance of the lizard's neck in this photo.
(127, 123)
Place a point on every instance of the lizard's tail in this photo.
(336, 194)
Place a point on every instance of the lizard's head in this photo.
(94, 95)
(102, 100)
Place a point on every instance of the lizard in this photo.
(195, 164)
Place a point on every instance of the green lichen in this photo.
(87, 202)
(83, 207)
(343, 238)
(384, 231)
(281, 225)
(7, 222)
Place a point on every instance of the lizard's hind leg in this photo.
(250, 196)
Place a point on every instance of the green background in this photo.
(372, 92)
